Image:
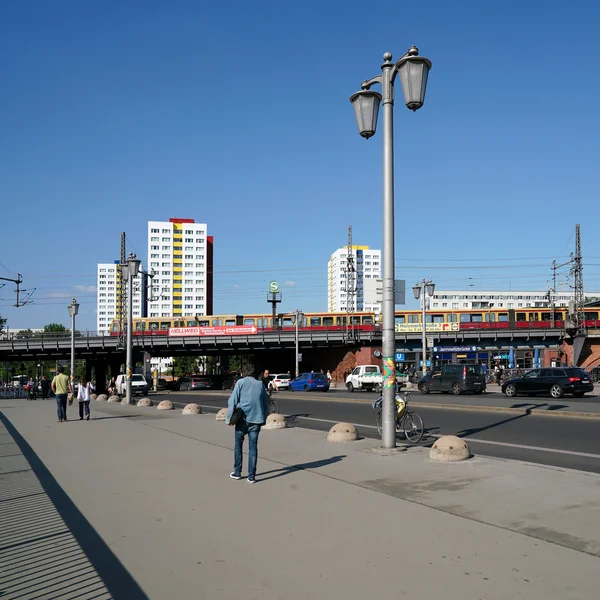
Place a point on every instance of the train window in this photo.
(164, 325)
(465, 318)
(400, 319)
(503, 317)
(490, 317)
(328, 321)
(521, 316)
(452, 318)
(137, 326)
(248, 321)
(153, 326)
(435, 318)
(204, 323)
(356, 320)
(191, 323)
(229, 321)
(533, 316)
(115, 327)
(287, 322)
(413, 318)
(368, 320)
(477, 318)
(591, 316)
(315, 321)
(217, 322)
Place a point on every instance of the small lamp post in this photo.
(73, 310)
(413, 70)
(296, 319)
(130, 272)
(422, 290)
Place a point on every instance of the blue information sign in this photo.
(455, 348)
(399, 356)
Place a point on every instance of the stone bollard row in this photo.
(449, 448)
(342, 432)
(191, 409)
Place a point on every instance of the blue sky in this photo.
(237, 115)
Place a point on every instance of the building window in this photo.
(154, 239)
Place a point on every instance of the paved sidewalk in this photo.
(141, 502)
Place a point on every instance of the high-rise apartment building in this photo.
(367, 264)
(108, 296)
(181, 255)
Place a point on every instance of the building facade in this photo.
(368, 291)
(475, 299)
(180, 253)
(109, 296)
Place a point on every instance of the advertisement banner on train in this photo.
(212, 331)
(430, 327)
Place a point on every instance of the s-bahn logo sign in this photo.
(430, 327)
(212, 331)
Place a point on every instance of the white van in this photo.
(138, 385)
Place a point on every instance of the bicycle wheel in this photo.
(273, 408)
(378, 421)
(413, 428)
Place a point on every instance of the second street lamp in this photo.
(413, 70)
(131, 271)
(422, 290)
(73, 310)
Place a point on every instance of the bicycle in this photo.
(407, 421)
(273, 407)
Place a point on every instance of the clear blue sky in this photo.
(237, 115)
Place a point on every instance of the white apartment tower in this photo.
(367, 264)
(108, 296)
(180, 253)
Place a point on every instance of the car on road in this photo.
(555, 381)
(139, 385)
(196, 383)
(310, 382)
(281, 380)
(453, 378)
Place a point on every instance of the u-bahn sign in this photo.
(430, 327)
(212, 331)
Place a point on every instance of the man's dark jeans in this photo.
(61, 406)
(241, 430)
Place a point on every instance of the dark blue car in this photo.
(309, 382)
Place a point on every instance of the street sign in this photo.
(455, 348)
(399, 356)
(273, 287)
(212, 331)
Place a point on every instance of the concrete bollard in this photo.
(275, 421)
(449, 448)
(144, 402)
(93, 396)
(221, 415)
(342, 432)
(114, 399)
(165, 405)
(101, 397)
(191, 409)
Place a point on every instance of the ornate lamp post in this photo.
(73, 310)
(422, 290)
(413, 70)
(130, 271)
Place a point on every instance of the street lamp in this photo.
(297, 317)
(413, 70)
(130, 272)
(422, 290)
(73, 310)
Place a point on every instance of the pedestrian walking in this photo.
(61, 387)
(45, 387)
(83, 396)
(250, 396)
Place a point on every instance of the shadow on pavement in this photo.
(48, 549)
(273, 474)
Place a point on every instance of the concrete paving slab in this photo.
(324, 521)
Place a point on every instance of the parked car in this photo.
(281, 380)
(161, 384)
(195, 383)
(174, 384)
(365, 377)
(454, 378)
(310, 382)
(139, 385)
(554, 381)
(229, 381)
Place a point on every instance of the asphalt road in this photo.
(563, 442)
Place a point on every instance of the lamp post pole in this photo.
(297, 317)
(413, 70)
(422, 290)
(132, 269)
(73, 310)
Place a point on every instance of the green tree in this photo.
(241, 364)
(2, 324)
(24, 333)
(185, 365)
(54, 328)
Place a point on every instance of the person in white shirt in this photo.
(83, 395)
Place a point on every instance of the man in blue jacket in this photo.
(252, 398)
